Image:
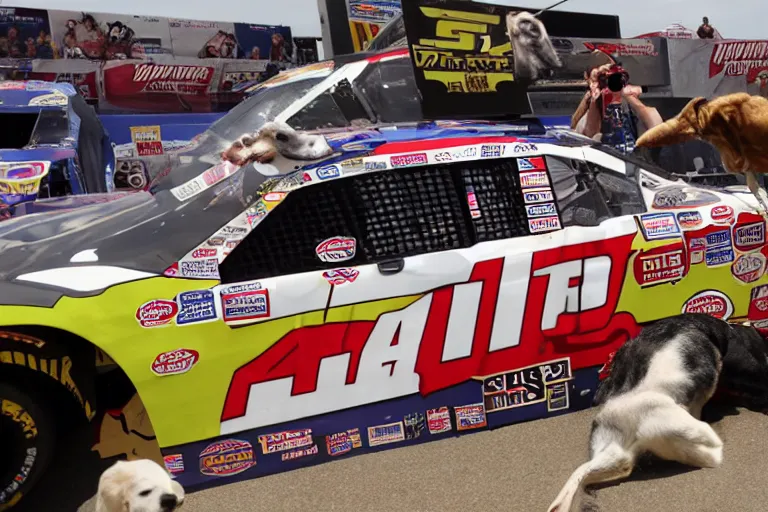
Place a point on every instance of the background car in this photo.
(53, 144)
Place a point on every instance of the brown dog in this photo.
(736, 124)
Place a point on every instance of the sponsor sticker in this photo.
(443, 156)
(474, 208)
(541, 195)
(758, 305)
(250, 304)
(207, 268)
(196, 306)
(406, 160)
(721, 213)
(174, 463)
(710, 302)
(175, 362)
(343, 442)
(534, 179)
(525, 148)
(748, 237)
(491, 150)
(274, 197)
(284, 441)
(527, 386)
(462, 154)
(187, 190)
(535, 163)
(697, 248)
(375, 166)
(296, 454)
(689, 220)
(469, 417)
(227, 458)
(748, 268)
(337, 248)
(385, 434)
(439, 420)
(156, 312)
(204, 252)
(328, 171)
(415, 424)
(717, 256)
(659, 265)
(659, 226)
(340, 276)
(541, 210)
(544, 224)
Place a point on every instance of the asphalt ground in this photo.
(518, 468)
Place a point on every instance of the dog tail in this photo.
(611, 463)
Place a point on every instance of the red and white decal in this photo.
(340, 276)
(534, 179)
(474, 208)
(175, 362)
(449, 336)
(469, 417)
(337, 248)
(660, 265)
(203, 252)
(156, 312)
(748, 237)
(758, 305)
(710, 302)
(738, 58)
(722, 214)
(406, 160)
(748, 268)
(439, 420)
(288, 440)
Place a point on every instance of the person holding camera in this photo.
(611, 110)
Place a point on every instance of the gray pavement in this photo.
(518, 468)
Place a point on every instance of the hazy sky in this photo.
(742, 19)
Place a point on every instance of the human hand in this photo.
(632, 91)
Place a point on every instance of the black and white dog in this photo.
(653, 397)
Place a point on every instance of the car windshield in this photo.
(262, 107)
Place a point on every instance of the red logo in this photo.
(739, 58)
(156, 312)
(748, 268)
(749, 235)
(337, 248)
(438, 420)
(175, 362)
(660, 265)
(408, 346)
(204, 253)
(722, 213)
(406, 160)
(340, 276)
(710, 302)
(624, 50)
(758, 306)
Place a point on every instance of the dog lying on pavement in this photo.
(138, 486)
(654, 392)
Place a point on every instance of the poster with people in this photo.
(204, 39)
(100, 36)
(25, 33)
(266, 42)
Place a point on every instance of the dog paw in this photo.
(250, 148)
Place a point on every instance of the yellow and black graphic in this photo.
(18, 414)
(488, 54)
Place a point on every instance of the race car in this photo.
(53, 144)
(425, 280)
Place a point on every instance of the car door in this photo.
(419, 280)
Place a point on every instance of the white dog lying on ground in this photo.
(138, 486)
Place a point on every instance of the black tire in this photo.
(27, 440)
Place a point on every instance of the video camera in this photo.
(615, 79)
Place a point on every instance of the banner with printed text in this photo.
(492, 55)
(706, 67)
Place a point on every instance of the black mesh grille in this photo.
(391, 214)
(502, 213)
